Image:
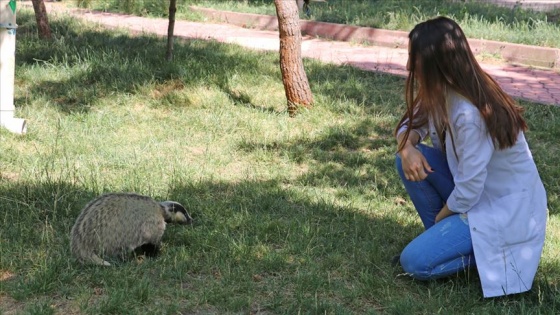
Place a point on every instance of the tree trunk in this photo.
(294, 78)
(170, 29)
(43, 28)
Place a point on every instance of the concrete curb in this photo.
(514, 53)
(534, 5)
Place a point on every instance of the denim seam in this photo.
(431, 203)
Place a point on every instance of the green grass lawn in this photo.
(292, 215)
(478, 19)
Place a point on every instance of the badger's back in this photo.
(114, 224)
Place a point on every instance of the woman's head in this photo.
(439, 54)
(440, 59)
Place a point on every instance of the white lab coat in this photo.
(503, 196)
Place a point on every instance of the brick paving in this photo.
(523, 82)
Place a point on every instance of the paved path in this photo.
(536, 85)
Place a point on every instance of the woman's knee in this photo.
(415, 264)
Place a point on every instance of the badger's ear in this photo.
(175, 212)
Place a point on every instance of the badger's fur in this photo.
(113, 225)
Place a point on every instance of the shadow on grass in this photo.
(249, 236)
(277, 235)
(34, 232)
(352, 157)
(88, 65)
(103, 63)
(242, 230)
(262, 230)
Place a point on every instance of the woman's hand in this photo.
(444, 213)
(414, 164)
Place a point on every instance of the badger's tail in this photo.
(98, 261)
(92, 258)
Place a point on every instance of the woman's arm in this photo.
(474, 148)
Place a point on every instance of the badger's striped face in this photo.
(176, 213)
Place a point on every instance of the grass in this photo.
(478, 19)
(292, 215)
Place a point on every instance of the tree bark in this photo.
(170, 29)
(296, 85)
(43, 28)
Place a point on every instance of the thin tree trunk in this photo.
(43, 28)
(170, 29)
(296, 85)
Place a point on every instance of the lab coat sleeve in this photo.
(422, 131)
(474, 148)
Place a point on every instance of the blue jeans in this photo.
(444, 248)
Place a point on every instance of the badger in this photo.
(116, 224)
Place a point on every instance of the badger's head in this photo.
(174, 212)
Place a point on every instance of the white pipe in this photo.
(15, 125)
(300, 5)
(7, 68)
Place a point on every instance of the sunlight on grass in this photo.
(478, 20)
(292, 215)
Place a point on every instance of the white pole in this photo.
(8, 28)
(300, 5)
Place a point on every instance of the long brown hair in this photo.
(440, 58)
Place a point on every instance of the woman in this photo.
(477, 189)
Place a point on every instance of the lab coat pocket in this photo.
(514, 216)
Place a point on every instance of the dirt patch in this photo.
(9, 306)
(60, 305)
(163, 89)
(9, 176)
(6, 275)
